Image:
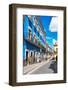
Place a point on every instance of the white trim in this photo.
(37, 77)
(29, 28)
(27, 49)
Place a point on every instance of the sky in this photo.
(50, 24)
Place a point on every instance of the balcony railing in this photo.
(35, 41)
(38, 46)
(36, 32)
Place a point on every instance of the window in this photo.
(35, 40)
(31, 54)
(30, 17)
(30, 34)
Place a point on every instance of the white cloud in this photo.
(54, 41)
(53, 27)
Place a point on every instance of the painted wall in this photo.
(29, 24)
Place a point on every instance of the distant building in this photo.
(49, 50)
(34, 38)
(55, 50)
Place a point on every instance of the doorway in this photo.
(26, 57)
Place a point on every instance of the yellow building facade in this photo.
(55, 50)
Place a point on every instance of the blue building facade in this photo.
(34, 39)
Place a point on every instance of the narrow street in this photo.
(44, 67)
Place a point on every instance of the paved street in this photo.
(33, 67)
(48, 66)
(44, 69)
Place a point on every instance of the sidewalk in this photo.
(31, 68)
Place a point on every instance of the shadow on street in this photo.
(53, 66)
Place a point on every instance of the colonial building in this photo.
(34, 39)
(49, 51)
(55, 50)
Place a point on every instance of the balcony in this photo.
(34, 41)
(34, 44)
